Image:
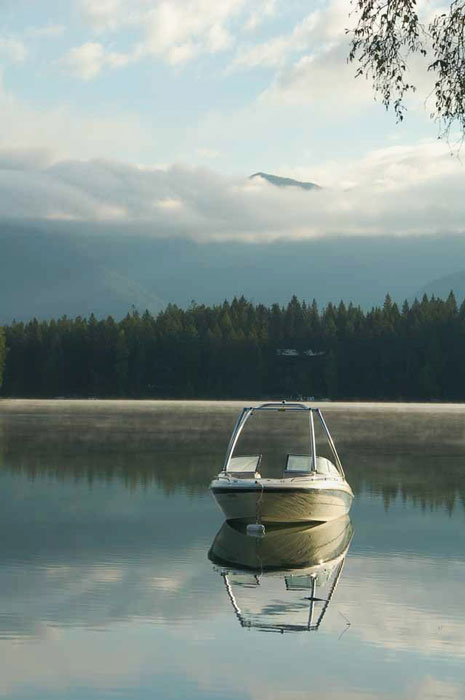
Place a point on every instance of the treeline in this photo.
(239, 349)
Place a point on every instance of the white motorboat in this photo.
(308, 487)
(285, 580)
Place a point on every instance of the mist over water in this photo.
(106, 588)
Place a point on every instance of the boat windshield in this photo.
(278, 443)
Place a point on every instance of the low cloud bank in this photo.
(394, 191)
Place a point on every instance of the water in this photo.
(107, 591)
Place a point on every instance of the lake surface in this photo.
(107, 589)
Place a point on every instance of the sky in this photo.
(157, 111)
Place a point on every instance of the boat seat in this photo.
(297, 464)
(325, 467)
(245, 466)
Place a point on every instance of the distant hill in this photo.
(442, 286)
(286, 181)
(49, 274)
(48, 269)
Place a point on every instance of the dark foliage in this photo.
(238, 349)
(387, 36)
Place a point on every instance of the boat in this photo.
(285, 580)
(304, 487)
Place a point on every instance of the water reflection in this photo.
(393, 451)
(106, 590)
(285, 580)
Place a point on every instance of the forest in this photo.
(239, 349)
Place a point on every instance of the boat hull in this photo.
(274, 504)
(299, 548)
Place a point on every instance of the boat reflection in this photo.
(285, 580)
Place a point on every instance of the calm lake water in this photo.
(107, 589)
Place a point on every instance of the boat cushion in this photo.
(298, 463)
(326, 467)
(302, 464)
(244, 465)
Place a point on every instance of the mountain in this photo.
(286, 181)
(46, 274)
(442, 286)
(48, 269)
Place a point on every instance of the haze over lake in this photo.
(106, 588)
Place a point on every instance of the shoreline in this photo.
(328, 406)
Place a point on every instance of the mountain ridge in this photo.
(441, 287)
(48, 270)
(278, 181)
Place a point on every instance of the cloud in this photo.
(311, 67)
(323, 78)
(208, 153)
(24, 159)
(178, 31)
(316, 32)
(311, 63)
(111, 15)
(13, 49)
(395, 619)
(262, 11)
(46, 32)
(173, 32)
(391, 191)
(267, 54)
(85, 61)
(394, 169)
(65, 132)
(88, 60)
